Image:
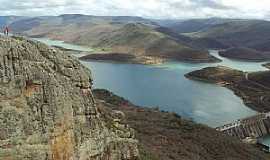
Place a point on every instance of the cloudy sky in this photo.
(145, 8)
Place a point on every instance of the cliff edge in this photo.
(47, 109)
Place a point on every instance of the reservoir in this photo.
(165, 86)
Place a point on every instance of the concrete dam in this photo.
(255, 127)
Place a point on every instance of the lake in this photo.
(63, 44)
(165, 86)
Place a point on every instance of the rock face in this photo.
(47, 110)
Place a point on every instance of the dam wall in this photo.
(255, 126)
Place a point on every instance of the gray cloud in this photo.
(211, 4)
(145, 8)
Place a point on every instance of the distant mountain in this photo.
(192, 25)
(242, 53)
(77, 21)
(7, 20)
(250, 39)
(198, 43)
(177, 39)
(71, 27)
(241, 33)
(127, 35)
(143, 41)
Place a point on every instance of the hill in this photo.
(192, 25)
(242, 53)
(167, 136)
(267, 65)
(107, 35)
(7, 20)
(253, 88)
(69, 27)
(143, 41)
(244, 36)
(239, 33)
(123, 35)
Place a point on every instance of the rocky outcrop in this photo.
(47, 110)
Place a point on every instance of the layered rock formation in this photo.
(47, 110)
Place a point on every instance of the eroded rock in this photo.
(47, 110)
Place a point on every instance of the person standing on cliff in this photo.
(6, 30)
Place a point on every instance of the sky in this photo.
(158, 9)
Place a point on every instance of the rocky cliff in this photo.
(47, 110)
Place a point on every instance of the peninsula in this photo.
(253, 88)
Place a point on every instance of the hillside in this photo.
(242, 53)
(167, 136)
(69, 27)
(192, 25)
(144, 42)
(197, 43)
(267, 65)
(7, 20)
(253, 88)
(155, 38)
(47, 109)
(239, 33)
(248, 38)
(123, 35)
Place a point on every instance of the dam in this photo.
(255, 127)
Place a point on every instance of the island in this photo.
(253, 88)
(122, 58)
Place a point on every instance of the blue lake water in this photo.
(63, 44)
(165, 86)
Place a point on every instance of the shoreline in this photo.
(160, 132)
(253, 95)
(145, 60)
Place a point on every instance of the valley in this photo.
(179, 79)
(145, 40)
(169, 77)
(151, 41)
(155, 130)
